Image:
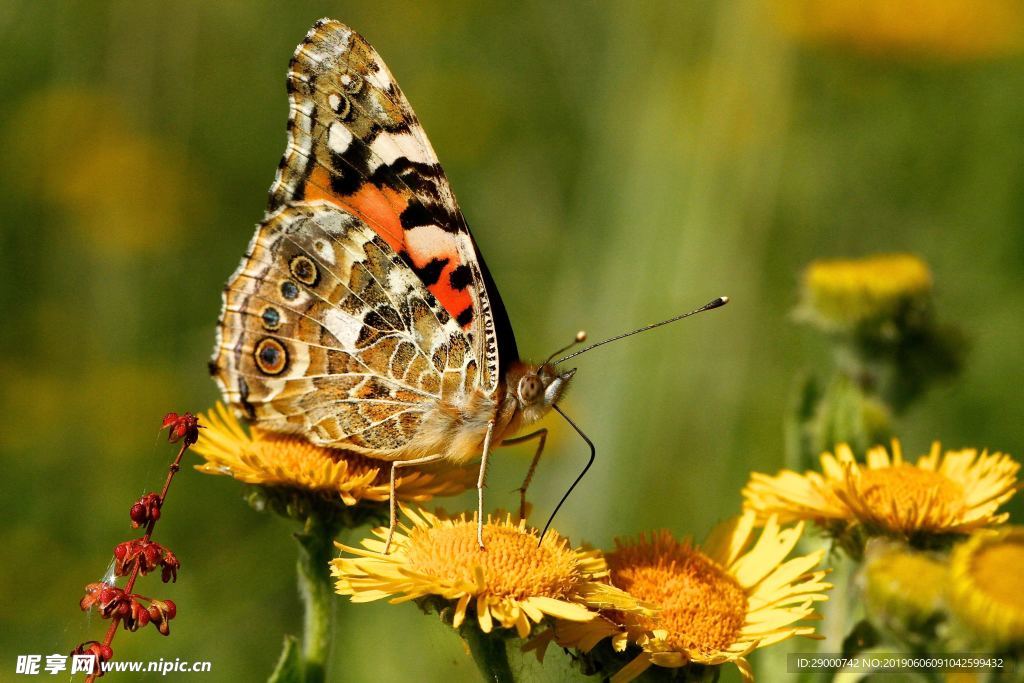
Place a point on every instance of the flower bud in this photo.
(182, 427)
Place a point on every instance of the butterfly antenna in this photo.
(593, 454)
(581, 337)
(714, 303)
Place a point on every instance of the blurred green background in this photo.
(619, 162)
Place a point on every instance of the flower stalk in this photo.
(315, 590)
(489, 651)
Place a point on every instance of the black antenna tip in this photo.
(720, 301)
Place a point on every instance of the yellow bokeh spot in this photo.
(997, 567)
(125, 191)
(949, 30)
(848, 292)
(903, 582)
(986, 593)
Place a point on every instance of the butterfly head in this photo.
(539, 388)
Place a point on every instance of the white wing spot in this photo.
(324, 252)
(389, 147)
(344, 327)
(379, 78)
(339, 138)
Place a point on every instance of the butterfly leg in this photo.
(392, 497)
(480, 482)
(541, 435)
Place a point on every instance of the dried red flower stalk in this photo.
(140, 556)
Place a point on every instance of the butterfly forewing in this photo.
(354, 141)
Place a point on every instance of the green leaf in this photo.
(862, 637)
(289, 664)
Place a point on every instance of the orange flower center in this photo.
(995, 570)
(513, 565)
(908, 495)
(305, 461)
(703, 607)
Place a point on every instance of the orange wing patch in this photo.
(431, 251)
(379, 208)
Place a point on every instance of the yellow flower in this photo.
(272, 460)
(955, 493)
(717, 603)
(901, 584)
(515, 582)
(847, 293)
(946, 29)
(987, 592)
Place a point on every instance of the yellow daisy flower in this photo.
(952, 493)
(845, 293)
(987, 592)
(273, 460)
(901, 585)
(717, 603)
(515, 582)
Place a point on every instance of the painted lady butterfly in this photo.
(362, 316)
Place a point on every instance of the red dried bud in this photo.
(138, 615)
(145, 510)
(171, 566)
(92, 595)
(103, 653)
(93, 647)
(148, 554)
(138, 515)
(121, 550)
(150, 557)
(160, 613)
(125, 555)
(182, 427)
(111, 600)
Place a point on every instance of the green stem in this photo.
(489, 653)
(315, 552)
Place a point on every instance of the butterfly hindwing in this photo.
(354, 141)
(326, 332)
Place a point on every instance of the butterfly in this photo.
(362, 316)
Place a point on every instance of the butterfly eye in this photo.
(530, 389)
